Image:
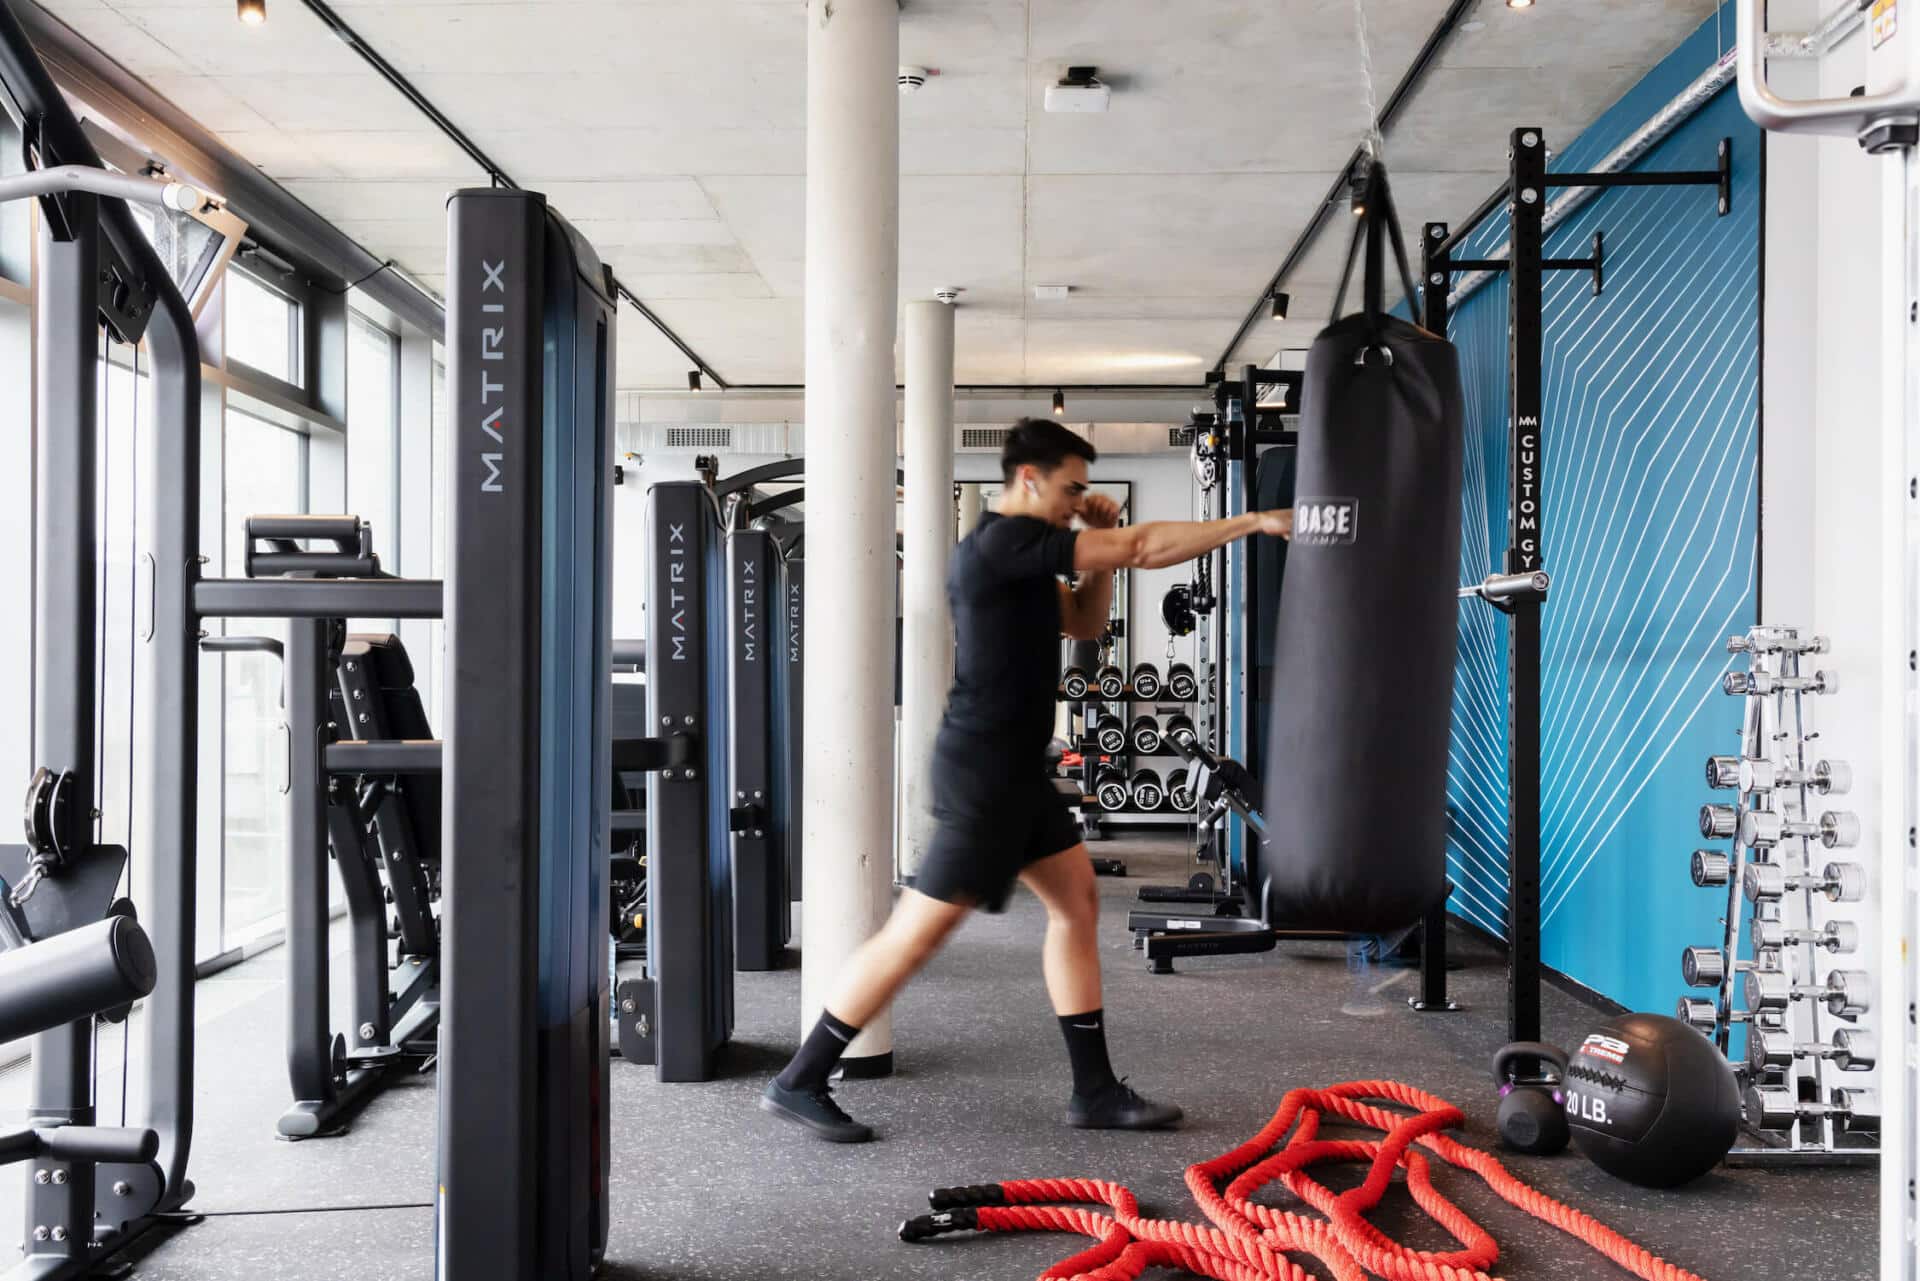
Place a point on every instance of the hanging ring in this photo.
(1360, 357)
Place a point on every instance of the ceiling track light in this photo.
(693, 380)
(1059, 403)
(253, 12)
(1519, 4)
(1280, 303)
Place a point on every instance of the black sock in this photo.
(819, 1054)
(1087, 1047)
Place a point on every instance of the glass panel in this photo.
(123, 411)
(263, 327)
(16, 216)
(263, 475)
(372, 447)
(436, 630)
(183, 244)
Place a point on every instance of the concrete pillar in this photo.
(853, 267)
(969, 508)
(927, 640)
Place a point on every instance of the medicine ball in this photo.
(1651, 1100)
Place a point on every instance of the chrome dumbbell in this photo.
(1847, 994)
(1710, 868)
(1738, 683)
(1841, 937)
(1706, 966)
(1778, 1108)
(1699, 1013)
(1775, 640)
(1718, 822)
(1839, 882)
(1773, 1048)
(1836, 829)
(1829, 778)
(1723, 772)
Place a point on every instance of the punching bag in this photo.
(1356, 763)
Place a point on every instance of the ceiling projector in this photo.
(1080, 90)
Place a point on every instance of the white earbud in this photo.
(1033, 489)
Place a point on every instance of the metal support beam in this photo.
(1524, 502)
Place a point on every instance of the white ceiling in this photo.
(672, 133)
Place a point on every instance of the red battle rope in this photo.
(1249, 1242)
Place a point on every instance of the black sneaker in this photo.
(816, 1110)
(1120, 1107)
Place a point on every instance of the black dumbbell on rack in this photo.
(1179, 790)
(1147, 791)
(1146, 681)
(1178, 729)
(1074, 683)
(1112, 681)
(1144, 734)
(1181, 682)
(1110, 788)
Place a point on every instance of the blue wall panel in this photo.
(1651, 438)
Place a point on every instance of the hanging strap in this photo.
(1378, 224)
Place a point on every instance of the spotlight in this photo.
(1280, 302)
(1519, 4)
(253, 12)
(1059, 403)
(693, 380)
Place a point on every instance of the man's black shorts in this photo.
(997, 813)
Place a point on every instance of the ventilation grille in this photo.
(780, 439)
(984, 437)
(699, 437)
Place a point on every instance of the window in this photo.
(16, 216)
(263, 328)
(373, 447)
(436, 630)
(264, 474)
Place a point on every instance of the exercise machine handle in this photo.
(74, 975)
(640, 755)
(99, 1144)
(1846, 117)
(1503, 589)
(271, 552)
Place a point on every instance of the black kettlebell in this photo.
(1533, 1110)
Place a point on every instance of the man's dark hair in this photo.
(1042, 443)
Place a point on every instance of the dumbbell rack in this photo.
(1776, 861)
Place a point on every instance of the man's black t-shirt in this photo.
(1003, 589)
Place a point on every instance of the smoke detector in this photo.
(946, 294)
(1080, 90)
(913, 79)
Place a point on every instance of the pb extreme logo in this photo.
(1325, 522)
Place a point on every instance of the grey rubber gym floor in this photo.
(707, 1187)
